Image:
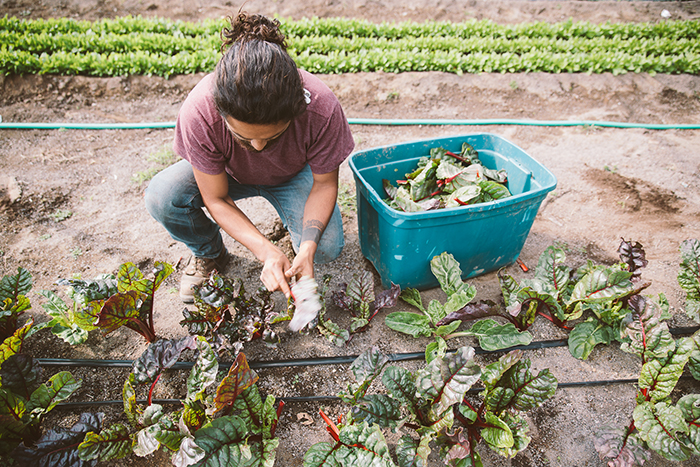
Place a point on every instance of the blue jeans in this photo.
(173, 199)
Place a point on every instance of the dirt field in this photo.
(636, 184)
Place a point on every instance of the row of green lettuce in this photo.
(161, 47)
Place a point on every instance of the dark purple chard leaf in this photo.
(432, 204)
(386, 298)
(478, 310)
(59, 448)
(633, 255)
(217, 291)
(341, 299)
(118, 310)
(623, 448)
(644, 329)
(160, 356)
(19, 374)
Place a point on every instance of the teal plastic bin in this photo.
(482, 237)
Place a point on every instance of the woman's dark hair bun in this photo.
(245, 27)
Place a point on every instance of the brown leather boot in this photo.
(197, 271)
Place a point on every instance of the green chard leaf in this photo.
(662, 426)
(531, 391)
(586, 335)
(203, 373)
(601, 285)
(109, 444)
(660, 376)
(447, 380)
(494, 336)
(401, 384)
(449, 274)
(552, 271)
(689, 277)
(412, 324)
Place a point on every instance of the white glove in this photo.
(307, 303)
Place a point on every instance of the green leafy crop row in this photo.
(160, 47)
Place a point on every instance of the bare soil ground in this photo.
(637, 184)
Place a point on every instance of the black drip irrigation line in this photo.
(317, 361)
(311, 399)
(347, 359)
(342, 360)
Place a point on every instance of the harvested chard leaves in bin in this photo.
(446, 180)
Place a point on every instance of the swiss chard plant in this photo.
(589, 302)
(228, 316)
(359, 299)
(671, 429)
(432, 409)
(689, 277)
(107, 303)
(441, 320)
(24, 401)
(446, 180)
(232, 426)
(13, 300)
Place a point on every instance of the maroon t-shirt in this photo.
(320, 137)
